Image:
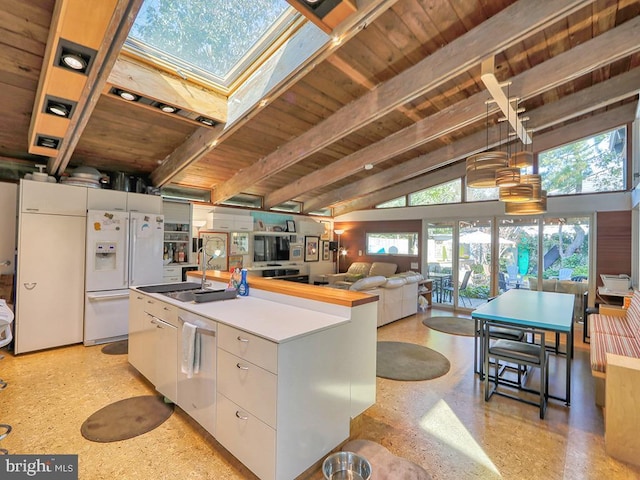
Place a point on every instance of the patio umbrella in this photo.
(481, 237)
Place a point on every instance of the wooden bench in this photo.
(613, 330)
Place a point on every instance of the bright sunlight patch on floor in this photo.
(442, 423)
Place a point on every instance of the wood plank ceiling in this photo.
(401, 92)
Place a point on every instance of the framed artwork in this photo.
(239, 244)
(311, 249)
(326, 233)
(235, 261)
(291, 226)
(326, 253)
(215, 245)
(295, 252)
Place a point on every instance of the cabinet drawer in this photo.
(171, 279)
(169, 271)
(249, 347)
(251, 387)
(247, 438)
(162, 310)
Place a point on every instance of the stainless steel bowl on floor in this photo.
(346, 466)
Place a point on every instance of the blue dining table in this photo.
(528, 308)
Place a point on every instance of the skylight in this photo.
(215, 40)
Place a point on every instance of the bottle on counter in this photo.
(243, 287)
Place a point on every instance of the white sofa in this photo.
(398, 295)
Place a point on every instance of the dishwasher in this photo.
(197, 395)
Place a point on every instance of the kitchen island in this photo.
(283, 371)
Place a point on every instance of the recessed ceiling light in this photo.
(368, 166)
(58, 109)
(206, 121)
(128, 96)
(167, 108)
(74, 57)
(73, 61)
(48, 142)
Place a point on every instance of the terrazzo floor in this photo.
(443, 425)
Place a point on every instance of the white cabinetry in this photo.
(266, 404)
(103, 199)
(50, 275)
(153, 342)
(140, 202)
(197, 395)
(224, 222)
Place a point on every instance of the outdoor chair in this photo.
(527, 355)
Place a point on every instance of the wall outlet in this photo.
(414, 265)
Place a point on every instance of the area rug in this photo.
(409, 362)
(116, 348)
(384, 464)
(452, 325)
(126, 418)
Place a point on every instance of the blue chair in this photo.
(565, 273)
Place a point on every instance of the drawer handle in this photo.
(242, 367)
(139, 298)
(242, 339)
(167, 308)
(240, 416)
(149, 301)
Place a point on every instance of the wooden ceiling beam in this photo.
(589, 56)
(586, 100)
(276, 76)
(137, 77)
(489, 38)
(116, 32)
(572, 132)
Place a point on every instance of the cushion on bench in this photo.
(610, 325)
(617, 344)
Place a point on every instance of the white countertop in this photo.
(273, 321)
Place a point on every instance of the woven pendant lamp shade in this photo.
(528, 208)
(507, 177)
(481, 168)
(518, 193)
(521, 160)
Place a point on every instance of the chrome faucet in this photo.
(204, 262)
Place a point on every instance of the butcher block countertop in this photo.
(335, 296)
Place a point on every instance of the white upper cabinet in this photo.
(102, 199)
(53, 198)
(139, 202)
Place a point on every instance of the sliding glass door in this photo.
(440, 260)
(472, 284)
(517, 253)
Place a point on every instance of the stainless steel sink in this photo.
(170, 287)
(189, 292)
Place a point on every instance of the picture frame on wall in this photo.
(326, 253)
(311, 249)
(326, 232)
(291, 226)
(295, 252)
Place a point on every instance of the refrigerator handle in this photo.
(125, 273)
(132, 251)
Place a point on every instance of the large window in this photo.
(594, 164)
(392, 243)
(449, 192)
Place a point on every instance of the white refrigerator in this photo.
(123, 249)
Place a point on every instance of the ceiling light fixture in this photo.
(131, 97)
(167, 108)
(368, 166)
(206, 121)
(48, 141)
(74, 57)
(60, 107)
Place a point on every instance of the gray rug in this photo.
(452, 325)
(409, 362)
(384, 464)
(116, 348)
(126, 419)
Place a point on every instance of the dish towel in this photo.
(6, 318)
(190, 354)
